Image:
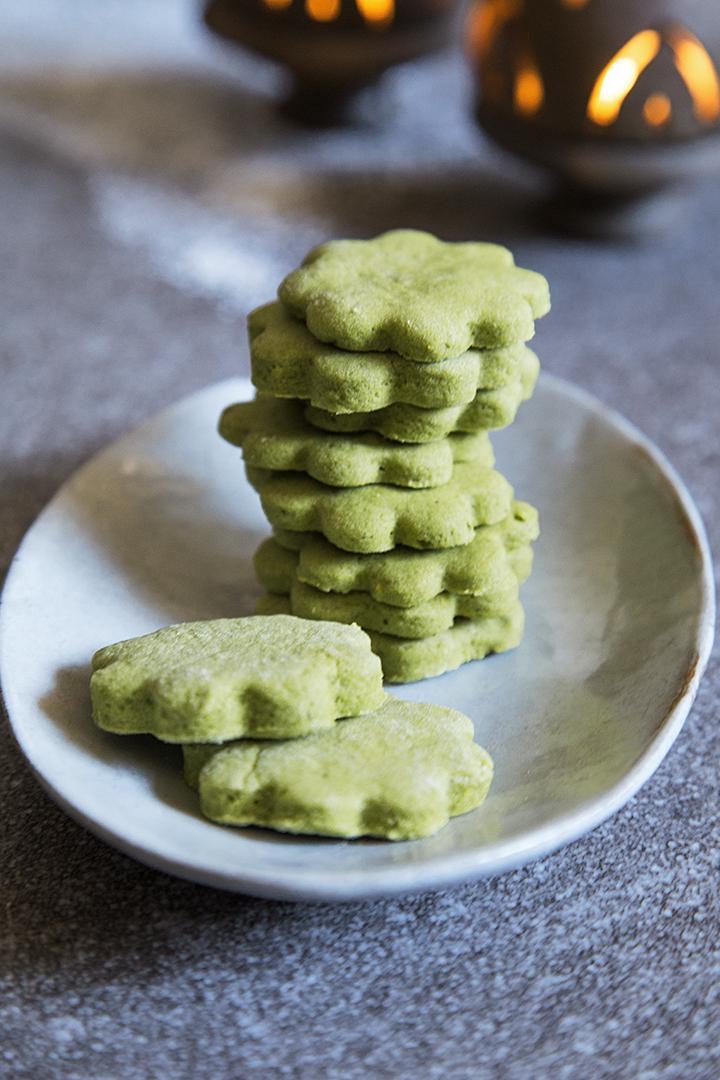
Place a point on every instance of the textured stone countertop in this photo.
(150, 195)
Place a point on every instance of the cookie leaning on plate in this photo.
(399, 773)
(229, 678)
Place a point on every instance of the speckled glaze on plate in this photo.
(160, 527)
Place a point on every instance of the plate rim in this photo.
(448, 869)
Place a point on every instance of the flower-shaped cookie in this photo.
(228, 678)
(404, 577)
(398, 773)
(287, 361)
(488, 410)
(418, 621)
(380, 516)
(410, 293)
(274, 435)
(409, 659)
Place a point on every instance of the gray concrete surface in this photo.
(149, 196)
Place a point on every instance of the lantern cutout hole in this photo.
(692, 63)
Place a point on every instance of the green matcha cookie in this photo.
(419, 621)
(410, 659)
(274, 435)
(287, 361)
(400, 773)
(276, 567)
(211, 681)
(379, 517)
(410, 293)
(407, 660)
(406, 423)
(404, 577)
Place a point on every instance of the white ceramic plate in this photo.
(160, 527)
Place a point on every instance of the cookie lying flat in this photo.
(489, 409)
(211, 681)
(287, 361)
(418, 621)
(379, 517)
(408, 292)
(410, 659)
(399, 773)
(274, 435)
(404, 577)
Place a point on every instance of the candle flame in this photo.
(377, 12)
(657, 110)
(618, 77)
(323, 10)
(486, 22)
(698, 73)
(529, 91)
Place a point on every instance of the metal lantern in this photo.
(334, 47)
(618, 98)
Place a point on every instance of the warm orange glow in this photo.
(323, 10)
(377, 12)
(617, 78)
(657, 110)
(698, 72)
(575, 4)
(528, 92)
(486, 22)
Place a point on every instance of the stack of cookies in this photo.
(380, 372)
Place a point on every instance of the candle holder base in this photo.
(322, 105)
(611, 167)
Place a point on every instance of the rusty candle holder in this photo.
(334, 48)
(618, 99)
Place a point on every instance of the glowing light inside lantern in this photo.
(698, 72)
(617, 78)
(528, 92)
(377, 12)
(486, 22)
(657, 110)
(323, 10)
